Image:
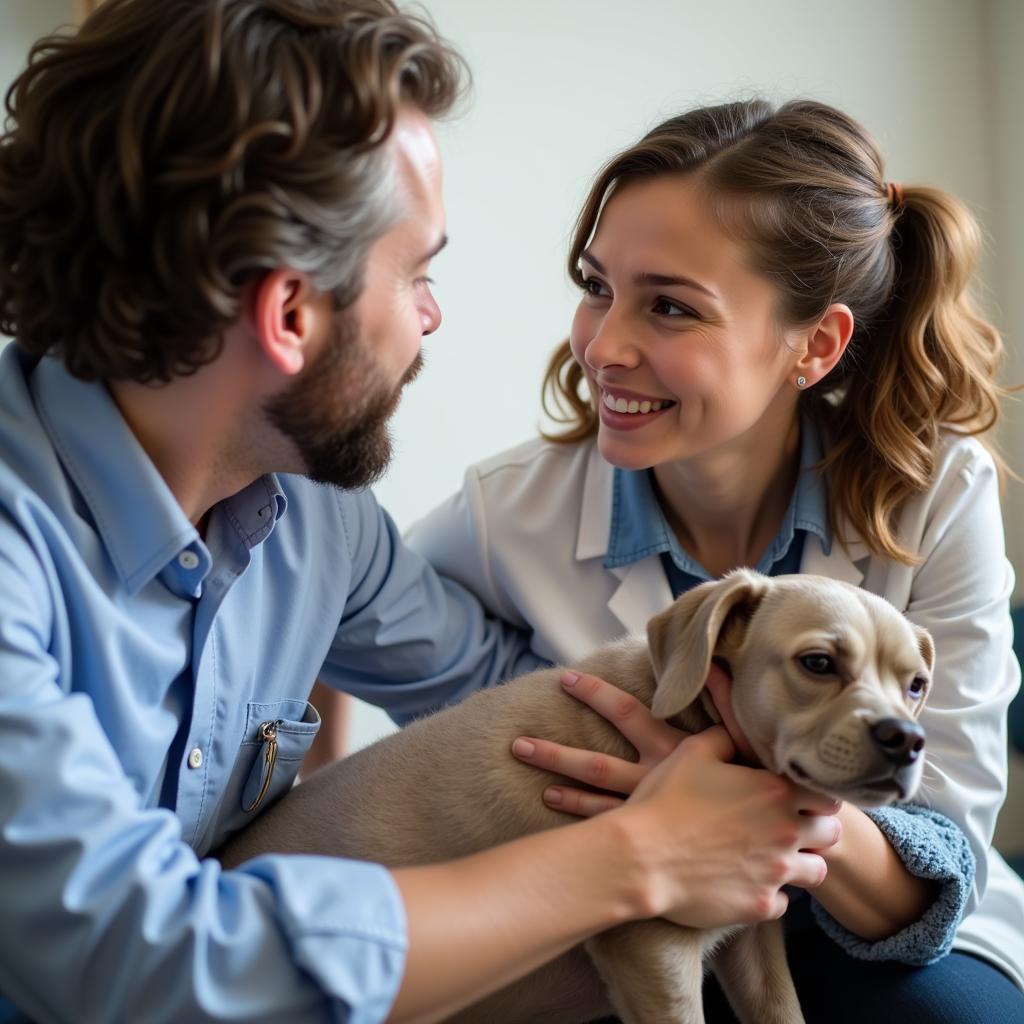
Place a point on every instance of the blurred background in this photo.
(561, 85)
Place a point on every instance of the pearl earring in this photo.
(801, 382)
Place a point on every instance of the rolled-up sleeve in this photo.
(932, 847)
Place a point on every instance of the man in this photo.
(216, 220)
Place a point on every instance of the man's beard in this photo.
(336, 412)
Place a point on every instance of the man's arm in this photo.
(409, 640)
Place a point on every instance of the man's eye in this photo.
(818, 664)
(424, 281)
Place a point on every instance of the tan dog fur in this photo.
(447, 785)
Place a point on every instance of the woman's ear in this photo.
(824, 345)
(288, 318)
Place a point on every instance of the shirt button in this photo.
(188, 560)
(195, 758)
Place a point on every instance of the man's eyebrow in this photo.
(433, 252)
(646, 278)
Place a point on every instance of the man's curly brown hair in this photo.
(158, 161)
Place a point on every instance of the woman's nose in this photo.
(612, 344)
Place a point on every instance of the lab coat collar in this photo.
(643, 589)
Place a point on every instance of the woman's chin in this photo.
(623, 455)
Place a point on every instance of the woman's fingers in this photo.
(581, 802)
(819, 832)
(809, 870)
(653, 738)
(588, 766)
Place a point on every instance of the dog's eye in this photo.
(917, 686)
(818, 664)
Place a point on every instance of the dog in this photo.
(828, 681)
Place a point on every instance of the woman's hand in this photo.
(652, 738)
(744, 833)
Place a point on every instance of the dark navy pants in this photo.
(836, 989)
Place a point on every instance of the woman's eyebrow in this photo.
(648, 279)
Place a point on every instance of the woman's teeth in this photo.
(621, 405)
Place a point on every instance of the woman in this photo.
(775, 363)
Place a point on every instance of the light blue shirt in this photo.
(137, 664)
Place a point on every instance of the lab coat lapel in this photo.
(847, 565)
(642, 589)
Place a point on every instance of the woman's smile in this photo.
(621, 409)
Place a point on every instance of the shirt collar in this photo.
(639, 529)
(137, 516)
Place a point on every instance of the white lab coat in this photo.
(528, 533)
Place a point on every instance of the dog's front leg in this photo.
(751, 967)
(653, 972)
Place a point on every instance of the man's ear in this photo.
(824, 344)
(288, 318)
(682, 639)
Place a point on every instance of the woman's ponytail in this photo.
(927, 362)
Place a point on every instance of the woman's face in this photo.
(677, 333)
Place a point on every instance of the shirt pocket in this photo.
(276, 738)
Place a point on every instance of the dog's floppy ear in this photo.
(926, 645)
(683, 638)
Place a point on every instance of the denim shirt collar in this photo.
(142, 525)
(639, 529)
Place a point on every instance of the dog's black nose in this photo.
(901, 739)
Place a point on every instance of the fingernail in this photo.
(570, 678)
(552, 796)
(523, 748)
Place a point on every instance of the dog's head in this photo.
(827, 679)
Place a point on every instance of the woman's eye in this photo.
(592, 286)
(671, 308)
(818, 664)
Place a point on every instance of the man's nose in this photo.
(430, 315)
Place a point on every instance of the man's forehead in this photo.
(418, 165)
(416, 155)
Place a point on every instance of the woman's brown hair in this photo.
(171, 151)
(803, 186)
